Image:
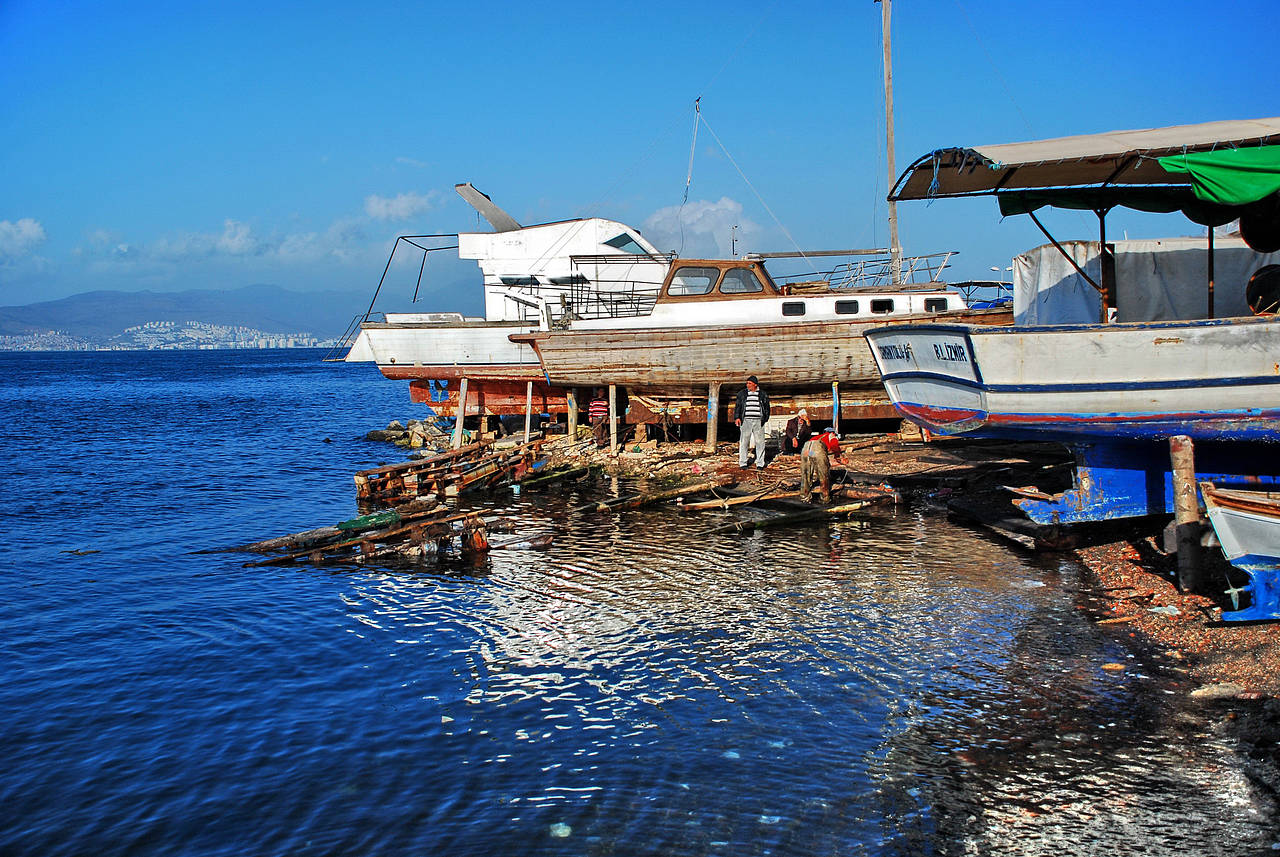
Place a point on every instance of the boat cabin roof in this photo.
(717, 280)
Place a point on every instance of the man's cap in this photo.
(752, 379)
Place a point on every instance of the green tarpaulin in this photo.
(1229, 176)
(1159, 200)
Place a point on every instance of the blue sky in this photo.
(216, 145)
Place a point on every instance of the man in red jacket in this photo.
(815, 464)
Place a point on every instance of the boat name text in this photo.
(949, 352)
(893, 351)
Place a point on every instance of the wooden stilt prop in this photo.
(1186, 508)
(528, 410)
(613, 419)
(460, 414)
(713, 416)
(571, 402)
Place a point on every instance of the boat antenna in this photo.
(895, 248)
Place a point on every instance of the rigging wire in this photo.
(688, 179)
(784, 229)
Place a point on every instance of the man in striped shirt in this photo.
(751, 412)
(598, 414)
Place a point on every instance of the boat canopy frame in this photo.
(1213, 173)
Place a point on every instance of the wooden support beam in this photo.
(460, 414)
(571, 397)
(528, 410)
(613, 419)
(835, 406)
(1186, 508)
(713, 415)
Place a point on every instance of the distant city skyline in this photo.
(206, 145)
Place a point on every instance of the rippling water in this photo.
(894, 685)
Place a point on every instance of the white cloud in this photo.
(236, 240)
(343, 240)
(700, 227)
(20, 238)
(400, 207)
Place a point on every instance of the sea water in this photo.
(886, 685)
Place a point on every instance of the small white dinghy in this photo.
(1248, 527)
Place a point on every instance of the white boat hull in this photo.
(441, 352)
(1216, 379)
(1247, 524)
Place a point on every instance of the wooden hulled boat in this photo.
(717, 321)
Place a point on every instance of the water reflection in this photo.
(887, 685)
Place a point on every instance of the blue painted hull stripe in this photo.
(1094, 387)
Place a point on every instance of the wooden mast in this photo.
(895, 249)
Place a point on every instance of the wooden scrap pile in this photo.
(410, 532)
(446, 474)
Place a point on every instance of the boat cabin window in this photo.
(793, 307)
(571, 280)
(626, 244)
(846, 307)
(882, 305)
(740, 281)
(935, 304)
(519, 281)
(692, 281)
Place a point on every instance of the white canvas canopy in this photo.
(1114, 158)
(1156, 280)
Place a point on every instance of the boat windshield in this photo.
(690, 280)
(626, 244)
(740, 281)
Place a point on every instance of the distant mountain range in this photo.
(99, 316)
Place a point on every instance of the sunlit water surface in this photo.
(891, 685)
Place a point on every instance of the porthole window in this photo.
(935, 304)
(793, 307)
(882, 305)
(846, 307)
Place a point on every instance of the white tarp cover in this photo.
(1156, 280)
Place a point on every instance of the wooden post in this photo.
(459, 414)
(528, 409)
(1186, 510)
(1210, 272)
(713, 415)
(571, 402)
(835, 406)
(613, 419)
(895, 249)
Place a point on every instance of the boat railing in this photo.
(338, 352)
(555, 305)
(874, 273)
(985, 294)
